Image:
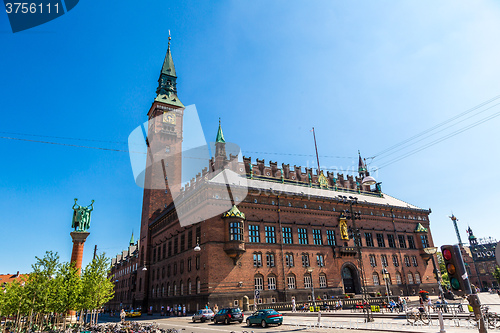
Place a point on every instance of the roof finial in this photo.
(169, 38)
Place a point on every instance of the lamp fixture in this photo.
(368, 180)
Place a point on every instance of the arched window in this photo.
(291, 281)
(182, 288)
(189, 286)
(259, 282)
(271, 282)
(376, 280)
(198, 285)
(398, 278)
(169, 291)
(162, 290)
(322, 280)
(410, 278)
(417, 278)
(175, 289)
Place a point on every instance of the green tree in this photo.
(496, 273)
(97, 288)
(445, 281)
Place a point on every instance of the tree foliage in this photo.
(496, 273)
(56, 288)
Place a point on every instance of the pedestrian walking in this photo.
(184, 310)
(294, 306)
(429, 305)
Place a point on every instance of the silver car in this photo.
(203, 315)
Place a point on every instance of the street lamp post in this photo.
(351, 215)
(310, 270)
(432, 251)
(386, 276)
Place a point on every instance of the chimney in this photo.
(17, 275)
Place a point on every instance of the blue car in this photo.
(265, 318)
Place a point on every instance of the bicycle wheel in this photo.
(411, 317)
(425, 318)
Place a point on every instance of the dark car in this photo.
(265, 317)
(228, 315)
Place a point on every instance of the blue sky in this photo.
(365, 74)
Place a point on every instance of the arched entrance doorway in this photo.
(350, 279)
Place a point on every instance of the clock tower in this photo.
(164, 162)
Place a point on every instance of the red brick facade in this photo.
(289, 215)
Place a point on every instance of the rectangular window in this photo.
(376, 281)
(154, 255)
(197, 262)
(176, 245)
(287, 235)
(322, 281)
(257, 259)
(357, 240)
(425, 241)
(198, 234)
(271, 283)
(411, 242)
(369, 239)
(330, 235)
(414, 261)
(270, 234)
(303, 236)
(380, 240)
(253, 234)
(383, 260)
(402, 241)
(390, 240)
(259, 284)
(289, 259)
(373, 260)
(291, 282)
(189, 264)
(270, 259)
(318, 240)
(236, 231)
(307, 281)
(320, 260)
(305, 260)
(190, 239)
(170, 248)
(164, 250)
(183, 242)
(395, 260)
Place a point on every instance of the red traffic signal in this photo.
(454, 263)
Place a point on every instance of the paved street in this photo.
(339, 321)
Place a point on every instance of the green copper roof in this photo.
(220, 136)
(168, 64)
(171, 99)
(420, 228)
(234, 212)
(132, 242)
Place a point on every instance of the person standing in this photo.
(294, 307)
(184, 310)
(429, 305)
(122, 316)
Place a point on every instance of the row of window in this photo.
(171, 269)
(289, 260)
(172, 247)
(291, 281)
(175, 290)
(412, 279)
(395, 260)
(236, 233)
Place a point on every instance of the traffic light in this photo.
(454, 263)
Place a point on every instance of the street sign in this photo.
(257, 293)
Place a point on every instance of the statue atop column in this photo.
(81, 216)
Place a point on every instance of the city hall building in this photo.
(285, 231)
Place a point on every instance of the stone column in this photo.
(79, 238)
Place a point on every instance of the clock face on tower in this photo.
(169, 118)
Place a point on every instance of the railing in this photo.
(347, 303)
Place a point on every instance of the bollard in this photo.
(441, 322)
(319, 317)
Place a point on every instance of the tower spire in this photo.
(220, 136)
(362, 170)
(132, 242)
(167, 82)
